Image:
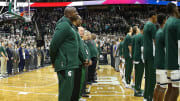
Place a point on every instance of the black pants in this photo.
(42, 61)
(85, 82)
(128, 70)
(105, 59)
(112, 61)
(139, 70)
(21, 65)
(35, 62)
(92, 69)
(9, 66)
(77, 81)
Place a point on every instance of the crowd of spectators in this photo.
(19, 53)
(107, 20)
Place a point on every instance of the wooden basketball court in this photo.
(42, 85)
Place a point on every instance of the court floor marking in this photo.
(111, 80)
(36, 86)
(24, 93)
(106, 92)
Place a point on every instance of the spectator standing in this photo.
(39, 57)
(4, 59)
(22, 58)
(10, 58)
(27, 58)
(16, 59)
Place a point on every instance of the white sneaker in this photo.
(144, 99)
(82, 99)
(128, 86)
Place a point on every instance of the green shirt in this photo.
(159, 50)
(137, 47)
(2, 50)
(127, 42)
(149, 35)
(172, 33)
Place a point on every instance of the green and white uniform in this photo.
(159, 58)
(172, 35)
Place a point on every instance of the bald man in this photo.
(64, 53)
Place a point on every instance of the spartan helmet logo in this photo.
(70, 73)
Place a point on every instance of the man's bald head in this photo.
(70, 12)
(81, 31)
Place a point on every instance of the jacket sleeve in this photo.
(60, 34)
(82, 51)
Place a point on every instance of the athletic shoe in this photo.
(94, 81)
(127, 86)
(85, 95)
(82, 99)
(89, 83)
(138, 94)
(87, 92)
(144, 99)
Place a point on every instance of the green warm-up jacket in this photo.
(64, 46)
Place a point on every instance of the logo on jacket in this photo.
(70, 73)
(86, 51)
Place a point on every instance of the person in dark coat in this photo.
(112, 57)
(35, 56)
(22, 58)
(42, 56)
(31, 60)
(10, 56)
(16, 59)
(27, 58)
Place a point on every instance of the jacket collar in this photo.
(64, 18)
